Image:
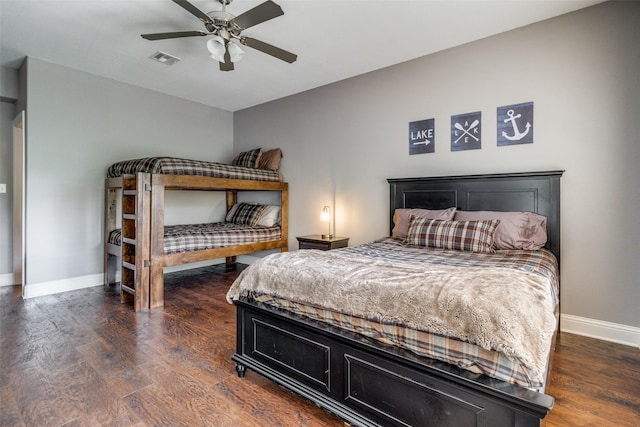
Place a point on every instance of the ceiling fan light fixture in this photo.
(235, 52)
(216, 45)
(224, 31)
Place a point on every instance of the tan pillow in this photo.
(270, 159)
(517, 230)
(401, 218)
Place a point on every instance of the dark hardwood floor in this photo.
(83, 359)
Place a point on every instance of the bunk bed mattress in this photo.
(177, 166)
(195, 237)
(517, 352)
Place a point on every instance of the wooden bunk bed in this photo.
(140, 256)
(370, 383)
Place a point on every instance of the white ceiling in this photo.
(334, 40)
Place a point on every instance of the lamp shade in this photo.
(235, 52)
(216, 46)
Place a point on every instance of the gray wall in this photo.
(581, 70)
(77, 125)
(9, 83)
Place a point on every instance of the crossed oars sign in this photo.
(466, 131)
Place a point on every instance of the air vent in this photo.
(165, 58)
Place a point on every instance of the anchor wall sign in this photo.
(466, 131)
(515, 124)
(422, 136)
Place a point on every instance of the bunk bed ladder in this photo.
(134, 281)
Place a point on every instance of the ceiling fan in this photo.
(223, 28)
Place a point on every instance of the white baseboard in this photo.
(199, 264)
(6, 279)
(33, 290)
(606, 331)
(192, 265)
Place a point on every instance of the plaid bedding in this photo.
(542, 262)
(463, 354)
(176, 166)
(195, 237)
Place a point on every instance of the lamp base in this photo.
(327, 236)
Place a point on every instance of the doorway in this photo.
(19, 201)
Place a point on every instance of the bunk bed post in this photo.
(110, 211)
(143, 223)
(232, 199)
(284, 216)
(156, 267)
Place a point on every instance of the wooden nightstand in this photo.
(316, 241)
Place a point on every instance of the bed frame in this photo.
(371, 384)
(142, 261)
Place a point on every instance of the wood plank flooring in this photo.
(83, 359)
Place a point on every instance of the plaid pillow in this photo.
(246, 213)
(248, 159)
(474, 236)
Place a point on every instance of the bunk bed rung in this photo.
(128, 216)
(129, 240)
(129, 265)
(127, 289)
(129, 192)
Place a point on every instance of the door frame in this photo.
(19, 201)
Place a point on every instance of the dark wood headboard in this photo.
(537, 192)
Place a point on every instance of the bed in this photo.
(137, 241)
(369, 377)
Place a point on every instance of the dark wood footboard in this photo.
(369, 384)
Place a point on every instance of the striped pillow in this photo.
(248, 159)
(474, 236)
(246, 213)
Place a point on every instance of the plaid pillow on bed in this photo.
(474, 236)
(248, 159)
(246, 213)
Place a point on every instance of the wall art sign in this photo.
(515, 124)
(466, 131)
(422, 136)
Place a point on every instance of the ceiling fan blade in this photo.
(227, 65)
(173, 35)
(262, 12)
(193, 10)
(270, 49)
